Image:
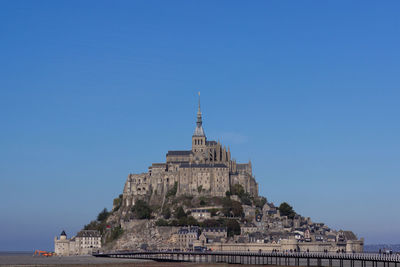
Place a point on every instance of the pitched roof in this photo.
(200, 210)
(179, 152)
(88, 233)
(349, 235)
(214, 229)
(158, 165)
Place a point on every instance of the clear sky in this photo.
(91, 91)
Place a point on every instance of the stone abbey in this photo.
(206, 169)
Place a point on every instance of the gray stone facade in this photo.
(206, 169)
(84, 243)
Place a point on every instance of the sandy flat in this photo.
(29, 260)
(18, 260)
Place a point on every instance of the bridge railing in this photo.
(395, 258)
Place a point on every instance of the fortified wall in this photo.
(290, 245)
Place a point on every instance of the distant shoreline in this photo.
(375, 247)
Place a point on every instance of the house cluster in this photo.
(268, 227)
(195, 238)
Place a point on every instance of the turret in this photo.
(63, 235)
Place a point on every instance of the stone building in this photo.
(85, 242)
(201, 214)
(186, 237)
(248, 228)
(210, 235)
(206, 169)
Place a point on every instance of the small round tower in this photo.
(63, 235)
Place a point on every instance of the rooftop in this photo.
(179, 152)
(88, 233)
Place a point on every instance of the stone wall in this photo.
(287, 245)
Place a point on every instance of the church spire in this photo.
(199, 121)
(199, 131)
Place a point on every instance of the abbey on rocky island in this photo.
(206, 169)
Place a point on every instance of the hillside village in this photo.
(202, 199)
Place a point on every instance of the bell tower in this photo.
(199, 137)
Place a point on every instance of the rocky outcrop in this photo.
(139, 234)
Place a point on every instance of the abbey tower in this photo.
(206, 169)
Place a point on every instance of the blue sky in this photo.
(91, 91)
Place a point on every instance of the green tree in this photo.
(172, 191)
(116, 232)
(174, 223)
(213, 212)
(141, 210)
(238, 190)
(226, 206)
(192, 221)
(161, 222)
(103, 215)
(231, 207)
(182, 221)
(180, 213)
(233, 227)
(117, 202)
(93, 225)
(236, 208)
(199, 189)
(286, 210)
(211, 223)
(246, 199)
(260, 202)
(166, 213)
